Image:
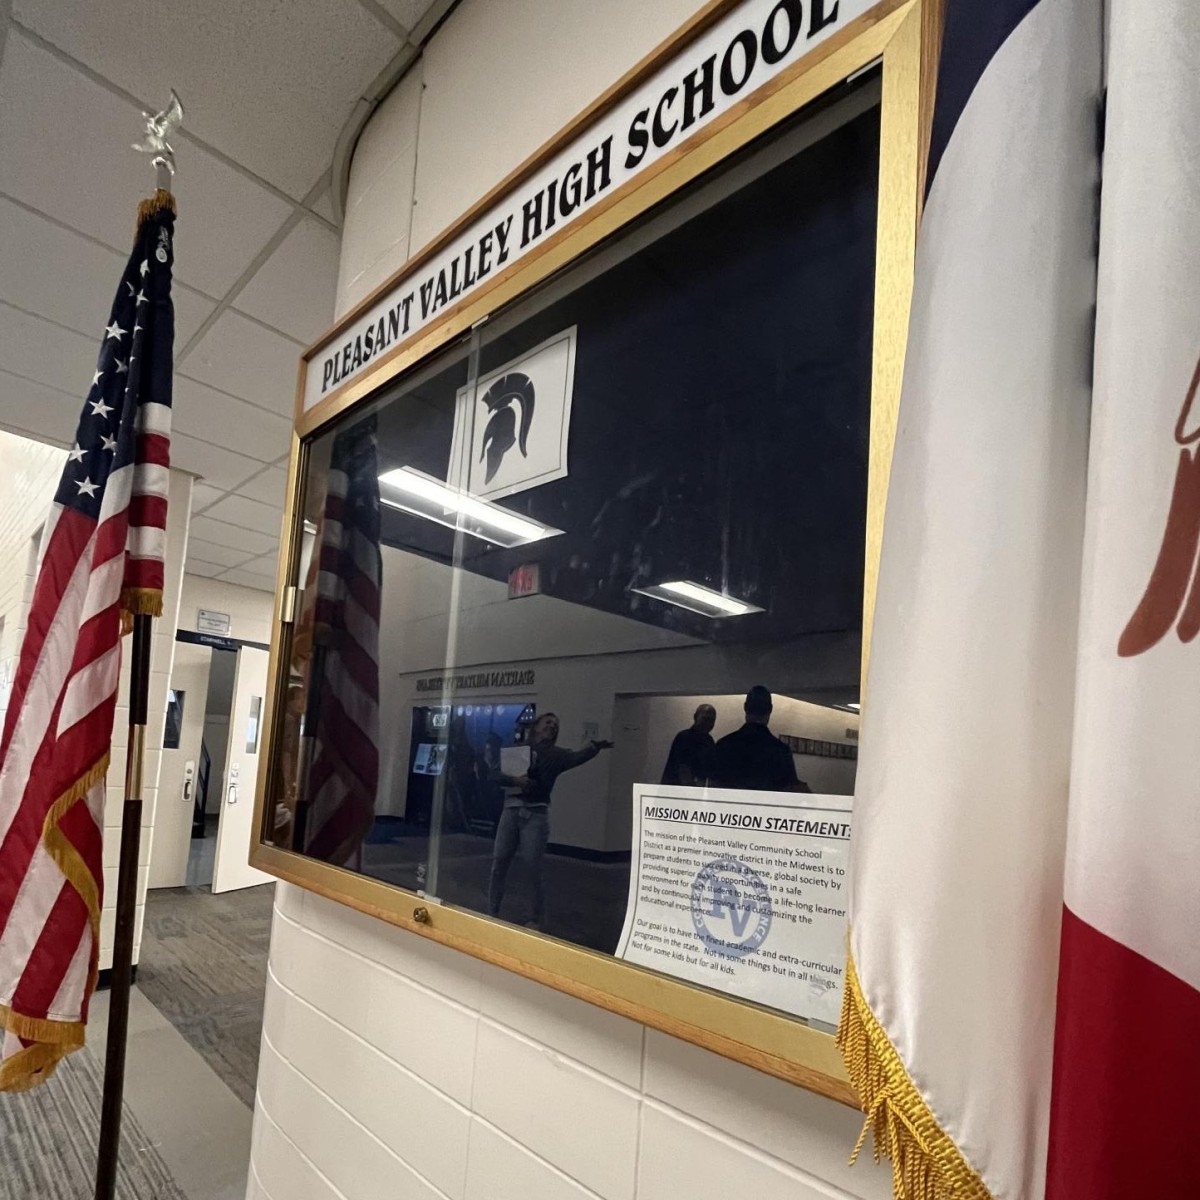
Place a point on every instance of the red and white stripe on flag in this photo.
(101, 561)
(344, 776)
(1124, 1111)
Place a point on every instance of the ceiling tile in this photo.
(204, 494)
(240, 357)
(231, 536)
(407, 12)
(270, 487)
(294, 289)
(36, 411)
(191, 311)
(266, 566)
(247, 579)
(207, 570)
(214, 464)
(237, 510)
(62, 275)
(212, 415)
(223, 556)
(54, 272)
(196, 565)
(270, 84)
(36, 349)
(323, 206)
(60, 128)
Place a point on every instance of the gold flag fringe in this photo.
(139, 602)
(54, 1040)
(161, 201)
(926, 1164)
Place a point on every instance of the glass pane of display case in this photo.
(613, 539)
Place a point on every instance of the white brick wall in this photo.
(391, 1066)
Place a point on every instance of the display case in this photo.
(584, 519)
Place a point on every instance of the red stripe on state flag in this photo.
(1123, 1117)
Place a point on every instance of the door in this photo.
(235, 830)
(173, 810)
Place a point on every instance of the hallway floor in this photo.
(195, 1020)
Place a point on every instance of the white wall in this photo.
(249, 609)
(395, 1067)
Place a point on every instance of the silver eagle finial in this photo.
(159, 128)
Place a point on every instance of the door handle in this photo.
(232, 795)
(187, 789)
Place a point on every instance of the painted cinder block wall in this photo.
(392, 1066)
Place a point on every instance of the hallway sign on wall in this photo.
(744, 892)
(752, 44)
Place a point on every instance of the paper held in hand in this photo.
(744, 892)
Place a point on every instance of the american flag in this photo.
(344, 689)
(101, 562)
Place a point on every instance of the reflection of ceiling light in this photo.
(852, 704)
(423, 496)
(698, 599)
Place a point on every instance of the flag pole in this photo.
(122, 964)
(158, 129)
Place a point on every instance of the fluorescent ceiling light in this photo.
(423, 496)
(697, 598)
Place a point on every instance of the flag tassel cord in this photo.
(161, 201)
(926, 1164)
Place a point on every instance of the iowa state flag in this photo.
(1028, 776)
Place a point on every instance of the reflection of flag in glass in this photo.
(344, 704)
(101, 563)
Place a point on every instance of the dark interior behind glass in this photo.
(702, 536)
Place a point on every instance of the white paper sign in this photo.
(741, 891)
(516, 422)
(514, 761)
(740, 53)
(210, 621)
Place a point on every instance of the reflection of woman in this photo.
(525, 822)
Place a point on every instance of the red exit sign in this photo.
(524, 581)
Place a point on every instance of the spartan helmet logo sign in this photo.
(502, 432)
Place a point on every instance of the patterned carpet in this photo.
(48, 1141)
(204, 967)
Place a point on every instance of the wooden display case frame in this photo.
(902, 36)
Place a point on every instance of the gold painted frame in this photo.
(904, 35)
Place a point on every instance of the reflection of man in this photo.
(525, 822)
(689, 762)
(753, 757)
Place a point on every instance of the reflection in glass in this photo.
(172, 731)
(614, 538)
